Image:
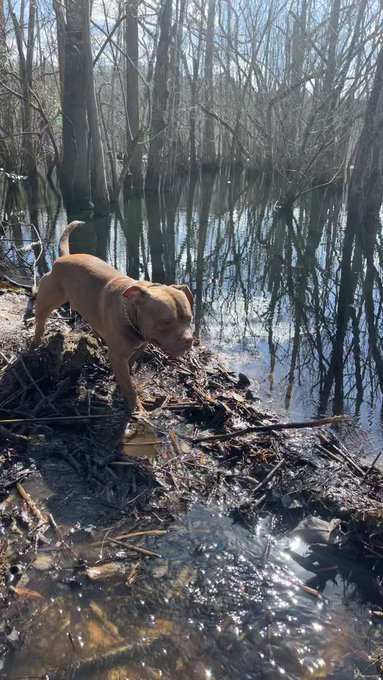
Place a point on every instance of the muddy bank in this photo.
(86, 491)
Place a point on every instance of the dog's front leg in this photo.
(120, 367)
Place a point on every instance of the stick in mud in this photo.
(15, 421)
(271, 474)
(271, 427)
(30, 503)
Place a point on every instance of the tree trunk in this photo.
(74, 175)
(175, 98)
(207, 192)
(99, 189)
(192, 117)
(133, 180)
(159, 100)
(7, 113)
(25, 73)
(60, 30)
(155, 237)
(209, 157)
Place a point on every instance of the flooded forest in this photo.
(235, 146)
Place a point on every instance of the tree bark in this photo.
(175, 97)
(25, 73)
(74, 174)
(99, 189)
(160, 98)
(134, 180)
(209, 156)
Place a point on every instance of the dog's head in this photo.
(163, 315)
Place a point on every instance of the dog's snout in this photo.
(188, 340)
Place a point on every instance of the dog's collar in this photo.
(131, 324)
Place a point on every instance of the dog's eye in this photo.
(166, 324)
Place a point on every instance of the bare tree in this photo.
(134, 149)
(75, 167)
(209, 158)
(159, 99)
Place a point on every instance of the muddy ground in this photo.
(75, 465)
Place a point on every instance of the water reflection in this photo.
(297, 297)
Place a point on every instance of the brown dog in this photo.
(125, 313)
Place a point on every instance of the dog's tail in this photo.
(64, 240)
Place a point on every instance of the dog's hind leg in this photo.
(49, 297)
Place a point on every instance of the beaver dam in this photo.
(93, 508)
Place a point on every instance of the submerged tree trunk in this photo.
(207, 193)
(74, 172)
(155, 237)
(133, 180)
(159, 100)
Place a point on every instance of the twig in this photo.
(24, 286)
(30, 503)
(307, 589)
(133, 573)
(343, 454)
(12, 437)
(150, 442)
(135, 548)
(259, 501)
(329, 454)
(371, 467)
(269, 428)
(174, 442)
(51, 419)
(36, 386)
(4, 358)
(269, 476)
(143, 551)
(182, 406)
(149, 532)
(205, 397)
(60, 537)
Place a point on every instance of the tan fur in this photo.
(64, 240)
(125, 313)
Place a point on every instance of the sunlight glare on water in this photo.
(211, 607)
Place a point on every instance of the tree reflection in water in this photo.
(303, 289)
(271, 280)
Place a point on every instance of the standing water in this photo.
(223, 601)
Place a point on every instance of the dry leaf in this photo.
(105, 570)
(142, 442)
(27, 592)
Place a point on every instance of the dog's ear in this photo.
(134, 293)
(185, 289)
